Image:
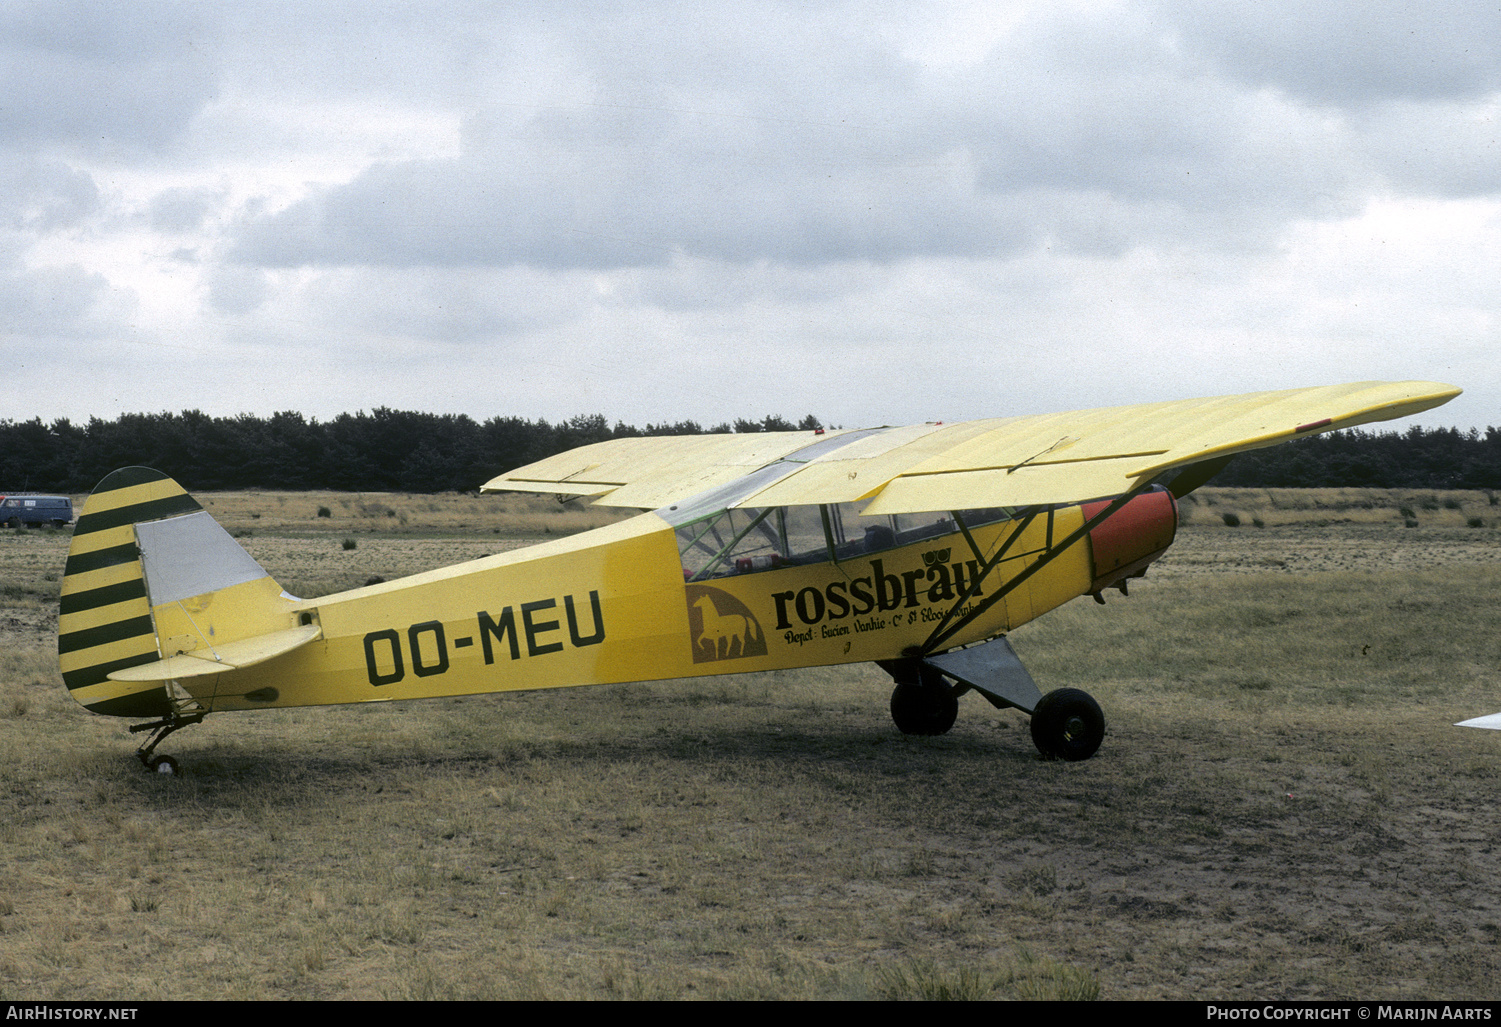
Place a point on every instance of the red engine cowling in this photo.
(1128, 540)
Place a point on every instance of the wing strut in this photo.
(945, 630)
(986, 566)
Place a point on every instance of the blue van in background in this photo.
(35, 511)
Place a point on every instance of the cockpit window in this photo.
(747, 540)
(751, 539)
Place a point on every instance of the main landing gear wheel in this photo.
(929, 708)
(1068, 724)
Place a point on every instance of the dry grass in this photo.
(247, 514)
(1280, 809)
(1223, 507)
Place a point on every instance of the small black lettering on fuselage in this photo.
(426, 644)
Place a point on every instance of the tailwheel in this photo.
(1068, 724)
(165, 765)
(924, 707)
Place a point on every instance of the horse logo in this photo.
(721, 626)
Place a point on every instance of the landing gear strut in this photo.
(162, 728)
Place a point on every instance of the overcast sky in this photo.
(876, 212)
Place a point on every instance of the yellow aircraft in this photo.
(916, 547)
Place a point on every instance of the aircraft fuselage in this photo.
(612, 605)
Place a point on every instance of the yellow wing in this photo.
(652, 472)
(1013, 461)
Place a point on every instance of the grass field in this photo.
(1280, 808)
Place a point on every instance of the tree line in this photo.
(406, 451)
(1418, 458)
(381, 451)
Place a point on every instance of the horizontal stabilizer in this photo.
(230, 656)
(1493, 722)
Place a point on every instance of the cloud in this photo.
(51, 303)
(102, 76)
(1352, 53)
(815, 141)
(180, 210)
(236, 290)
(1436, 149)
(41, 196)
(869, 210)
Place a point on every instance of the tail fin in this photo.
(155, 591)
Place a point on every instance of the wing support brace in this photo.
(945, 630)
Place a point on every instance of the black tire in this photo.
(164, 765)
(14, 522)
(1068, 724)
(929, 709)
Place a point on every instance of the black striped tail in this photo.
(104, 618)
